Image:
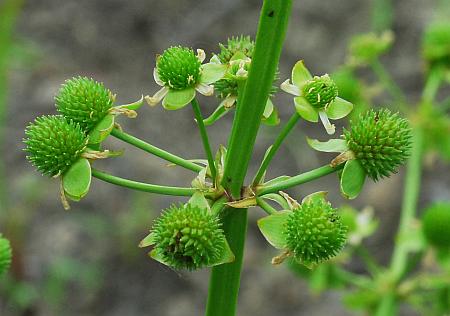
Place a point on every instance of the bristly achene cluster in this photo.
(191, 236)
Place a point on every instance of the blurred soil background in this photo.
(86, 261)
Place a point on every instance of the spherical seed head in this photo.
(54, 144)
(179, 68)
(84, 100)
(188, 237)
(381, 141)
(436, 224)
(320, 91)
(5, 254)
(236, 44)
(315, 232)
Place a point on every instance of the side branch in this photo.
(155, 150)
(299, 179)
(139, 186)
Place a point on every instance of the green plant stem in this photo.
(266, 206)
(140, 186)
(372, 266)
(155, 150)
(274, 148)
(432, 85)
(218, 205)
(9, 11)
(225, 279)
(410, 197)
(204, 135)
(382, 15)
(299, 179)
(389, 84)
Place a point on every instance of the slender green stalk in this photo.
(145, 187)
(225, 279)
(399, 259)
(9, 11)
(299, 179)
(432, 85)
(266, 206)
(274, 148)
(204, 135)
(389, 84)
(382, 15)
(155, 150)
(218, 205)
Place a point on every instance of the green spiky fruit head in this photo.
(320, 91)
(84, 101)
(5, 254)
(380, 140)
(314, 232)
(436, 224)
(242, 44)
(436, 43)
(54, 144)
(188, 237)
(179, 68)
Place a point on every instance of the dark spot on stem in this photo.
(271, 14)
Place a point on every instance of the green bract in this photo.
(436, 224)
(187, 237)
(84, 101)
(54, 144)
(5, 254)
(180, 73)
(314, 232)
(380, 140)
(316, 97)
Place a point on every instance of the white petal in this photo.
(286, 86)
(156, 77)
(201, 55)
(157, 97)
(229, 102)
(205, 89)
(326, 123)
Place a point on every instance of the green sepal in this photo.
(149, 240)
(271, 119)
(306, 110)
(226, 256)
(102, 130)
(330, 146)
(77, 180)
(238, 56)
(218, 113)
(133, 106)
(300, 74)
(352, 179)
(338, 109)
(176, 99)
(212, 72)
(198, 200)
(320, 195)
(273, 226)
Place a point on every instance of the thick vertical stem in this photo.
(225, 279)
